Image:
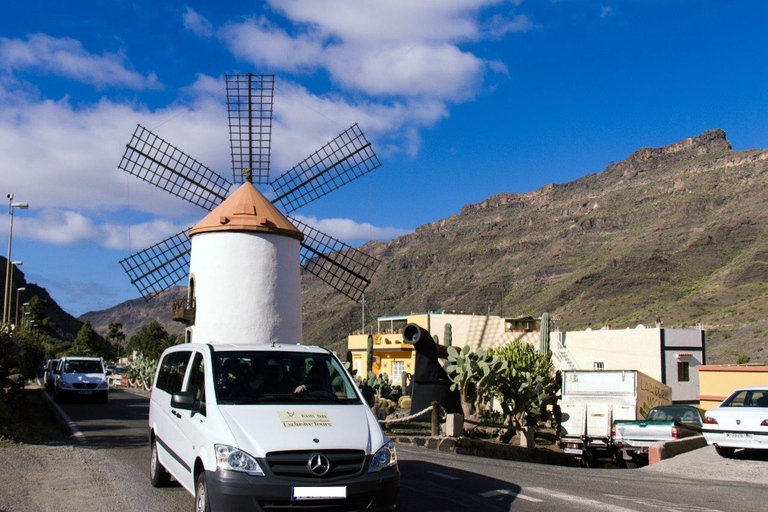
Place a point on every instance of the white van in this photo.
(254, 427)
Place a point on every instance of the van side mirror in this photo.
(184, 400)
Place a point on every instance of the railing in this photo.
(184, 311)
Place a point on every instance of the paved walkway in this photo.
(706, 464)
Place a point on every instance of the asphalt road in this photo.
(444, 482)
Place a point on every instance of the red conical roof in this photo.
(246, 210)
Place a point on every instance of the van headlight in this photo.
(234, 459)
(64, 384)
(103, 385)
(384, 458)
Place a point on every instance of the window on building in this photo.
(357, 366)
(683, 371)
(398, 367)
(599, 365)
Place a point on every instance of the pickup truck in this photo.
(663, 423)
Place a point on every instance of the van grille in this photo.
(295, 464)
(354, 505)
(84, 385)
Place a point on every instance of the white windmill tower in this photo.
(246, 256)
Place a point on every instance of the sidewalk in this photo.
(706, 464)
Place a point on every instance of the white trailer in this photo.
(593, 399)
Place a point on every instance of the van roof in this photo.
(229, 347)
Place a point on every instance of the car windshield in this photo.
(747, 398)
(82, 367)
(682, 415)
(252, 377)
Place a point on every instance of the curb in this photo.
(63, 421)
(668, 449)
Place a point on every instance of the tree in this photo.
(151, 340)
(31, 352)
(524, 387)
(116, 336)
(36, 309)
(88, 343)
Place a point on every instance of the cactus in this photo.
(437, 340)
(404, 383)
(404, 402)
(544, 334)
(448, 335)
(472, 373)
(369, 354)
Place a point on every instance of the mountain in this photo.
(136, 313)
(63, 325)
(676, 233)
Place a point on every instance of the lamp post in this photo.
(7, 289)
(14, 264)
(16, 318)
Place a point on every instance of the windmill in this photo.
(249, 105)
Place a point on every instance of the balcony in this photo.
(184, 311)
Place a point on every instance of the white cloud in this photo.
(606, 11)
(397, 48)
(500, 25)
(374, 21)
(352, 232)
(197, 23)
(70, 228)
(265, 45)
(56, 227)
(66, 57)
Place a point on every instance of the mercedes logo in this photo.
(738, 422)
(318, 464)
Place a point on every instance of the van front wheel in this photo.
(201, 494)
(158, 476)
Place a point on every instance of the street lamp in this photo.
(7, 290)
(16, 318)
(14, 264)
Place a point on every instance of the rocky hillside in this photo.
(677, 233)
(63, 325)
(136, 313)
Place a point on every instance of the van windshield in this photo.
(250, 377)
(75, 366)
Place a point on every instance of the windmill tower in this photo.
(244, 276)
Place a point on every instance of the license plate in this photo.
(574, 451)
(318, 493)
(737, 435)
(642, 444)
(84, 392)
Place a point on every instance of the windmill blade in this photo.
(155, 161)
(345, 268)
(159, 267)
(344, 159)
(249, 106)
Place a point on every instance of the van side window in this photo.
(197, 377)
(172, 369)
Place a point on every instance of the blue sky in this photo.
(462, 100)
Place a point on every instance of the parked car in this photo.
(741, 421)
(49, 377)
(81, 377)
(663, 423)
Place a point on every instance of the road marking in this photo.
(509, 492)
(444, 475)
(592, 504)
(655, 503)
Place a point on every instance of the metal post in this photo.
(435, 419)
(8, 262)
(16, 318)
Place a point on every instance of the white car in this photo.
(49, 377)
(741, 421)
(81, 377)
